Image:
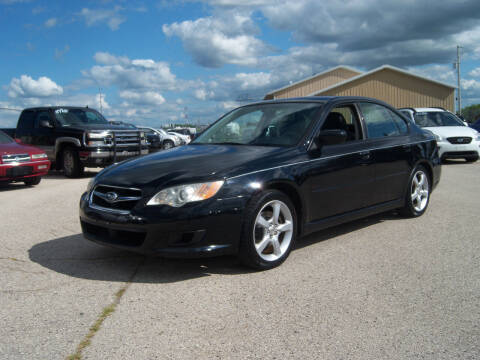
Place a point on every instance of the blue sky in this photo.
(160, 62)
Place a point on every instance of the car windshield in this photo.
(68, 117)
(4, 138)
(436, 118)
(281, 124)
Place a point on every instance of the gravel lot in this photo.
(378, 288)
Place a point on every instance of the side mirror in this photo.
(46, 124)
(332, 137)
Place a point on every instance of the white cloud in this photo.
(475, 72)
(215, 41)
(143, 98)
(27, 87)
(130, 74)
(51, 22)
(111, 17)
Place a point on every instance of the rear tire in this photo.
(32, 181)
(269, 230)
(72, 168)
(418, 193)
(168, 144)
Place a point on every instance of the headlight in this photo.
(39, 156)
(98, 135)
(438, 138)
(177, 196)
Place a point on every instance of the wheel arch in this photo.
(62, 143)
(293, 194)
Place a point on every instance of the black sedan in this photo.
(263, 175)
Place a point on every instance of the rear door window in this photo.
(378, 121)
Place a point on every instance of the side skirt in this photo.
(351, 215)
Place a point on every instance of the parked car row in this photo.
(21, 163)
(454, 139)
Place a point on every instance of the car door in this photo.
(341, 178)
(389, 142)
(44, 137)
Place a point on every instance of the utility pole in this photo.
(459, 91)
(100, 97)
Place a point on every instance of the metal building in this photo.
(395, 86)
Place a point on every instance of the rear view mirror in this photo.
(46, 124)
(332, 137)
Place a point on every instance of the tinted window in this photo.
(281, 124)
(437, 118)
(401, 124)
(41, 116)
(68, 117)
(378, 120)
(26, 120)
(343, 118)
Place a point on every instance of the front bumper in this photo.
(20, 171)
(208, 228)
(447, 150)
(103, 157)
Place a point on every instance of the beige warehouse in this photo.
(395, 86)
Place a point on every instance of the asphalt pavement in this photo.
(383, 287)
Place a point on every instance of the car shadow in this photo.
(74, 256)
(57, 174)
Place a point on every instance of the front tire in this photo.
(269, 230)
(71, 165)
(32, 181)
(418, 193)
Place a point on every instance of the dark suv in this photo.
(76, 137)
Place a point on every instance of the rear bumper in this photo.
(202, 230)
(24, 170)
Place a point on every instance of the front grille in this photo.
(115, 237)
(115, 198)
(459, 140)
(15, 158)
(125, 139)
(19, 171)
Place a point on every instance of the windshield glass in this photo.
(281, 124)
(4, 138)
(436, 118)
(68, 117)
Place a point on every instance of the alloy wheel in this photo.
(419, 191)
(68, 161)
(273, 230)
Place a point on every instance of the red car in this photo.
(20, 162)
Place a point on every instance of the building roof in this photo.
(383, 67)
(313, 77)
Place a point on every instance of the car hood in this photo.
(14, 148)
(447, 131)
(192, 163)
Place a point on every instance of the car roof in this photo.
(425, 109)
(60, 107)
(321, 99)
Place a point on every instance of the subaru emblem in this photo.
(111, 196)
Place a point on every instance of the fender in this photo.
(62, 140)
